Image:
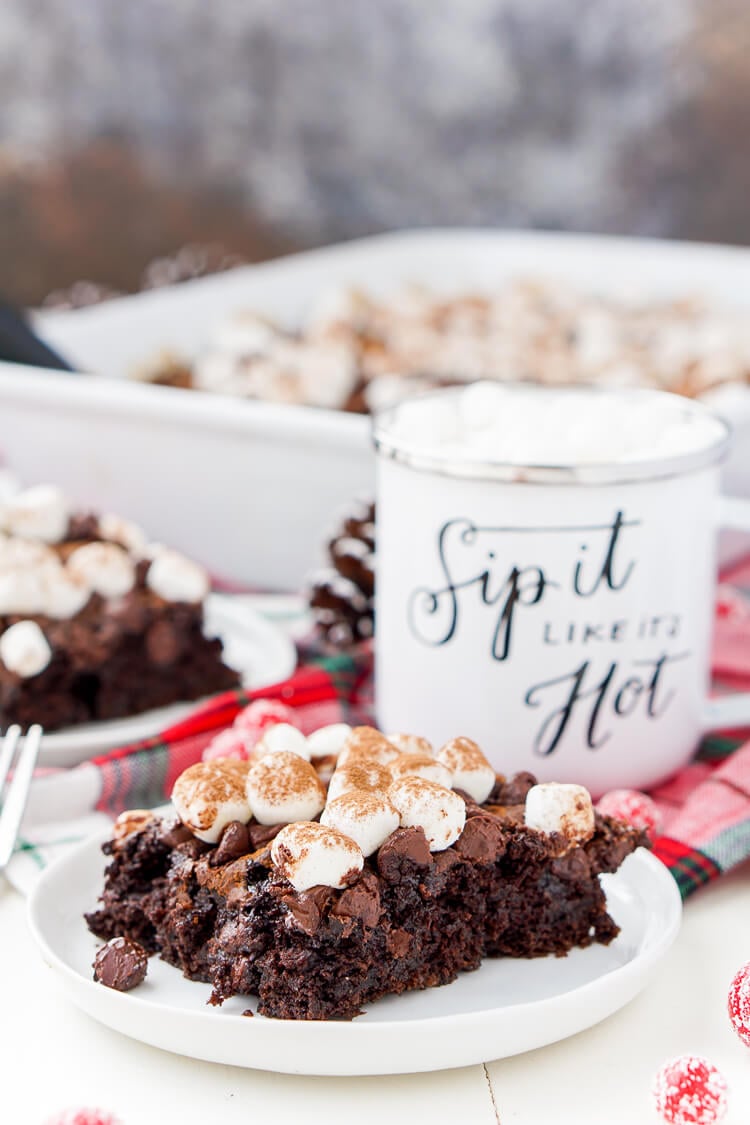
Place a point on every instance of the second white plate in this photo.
(259, 650)
(505, 1008)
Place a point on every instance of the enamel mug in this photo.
(558, 614)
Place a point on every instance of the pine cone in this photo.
(341, 596)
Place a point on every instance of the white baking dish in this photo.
(249, 488)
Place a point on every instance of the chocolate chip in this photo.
(361, 901)
(483, 839)
(234, 843)
(176, 833)
(162, 643)
(405, 849)
(262, 834)
(514, 790)
(121, 964)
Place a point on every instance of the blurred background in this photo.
(239, 129)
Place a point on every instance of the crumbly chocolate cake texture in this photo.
(96, 622)
(397, 887)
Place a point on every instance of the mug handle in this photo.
(728, 712)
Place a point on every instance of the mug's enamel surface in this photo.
(566, 628)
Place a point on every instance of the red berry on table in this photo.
(230, 743)
(689, 1090)
(84, 1117)
(633, 807)
(738, 1003)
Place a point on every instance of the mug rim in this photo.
(409, 454)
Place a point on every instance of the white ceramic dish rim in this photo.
(332, 1038)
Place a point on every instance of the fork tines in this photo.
(17, 792)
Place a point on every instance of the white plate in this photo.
(504, 1008)
(260, 651)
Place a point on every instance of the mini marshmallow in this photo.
(312, 855)
(327, 742)
(469, 768)
(366, 742)
(364, 775)
(282, 788)
(209, 795)
(24, 649)
(123, 532)
(106, 568)
(177, 579)
(130, 821)
(567, 809)
(367, 818)
(64, 593)
(410, 744)
(421, 765)
(22, 554)
(38, 513)
(282, 738)
(21, 591)
(438, 811)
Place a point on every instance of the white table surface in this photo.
(54, 1057)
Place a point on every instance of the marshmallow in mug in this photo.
(519, 425)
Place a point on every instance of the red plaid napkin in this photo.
(705, 807)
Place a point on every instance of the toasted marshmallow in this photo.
(438, 811)
(365, 775)
(366, 742)
(367, 817)
(38, 513)
(209, 795)
(282, 788)
(105, 567)
(469, 768)
(312, 855)
(130, 821)
(177, 579)
(421, 765)
(410, 744)
(328, 742)
(123, 532)
(24, 649)
(566, 809)
(279, 738)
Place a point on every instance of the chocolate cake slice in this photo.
(408, 870)
(95, 622)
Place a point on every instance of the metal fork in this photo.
(16, 795)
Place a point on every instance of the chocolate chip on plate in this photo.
(121, 964)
